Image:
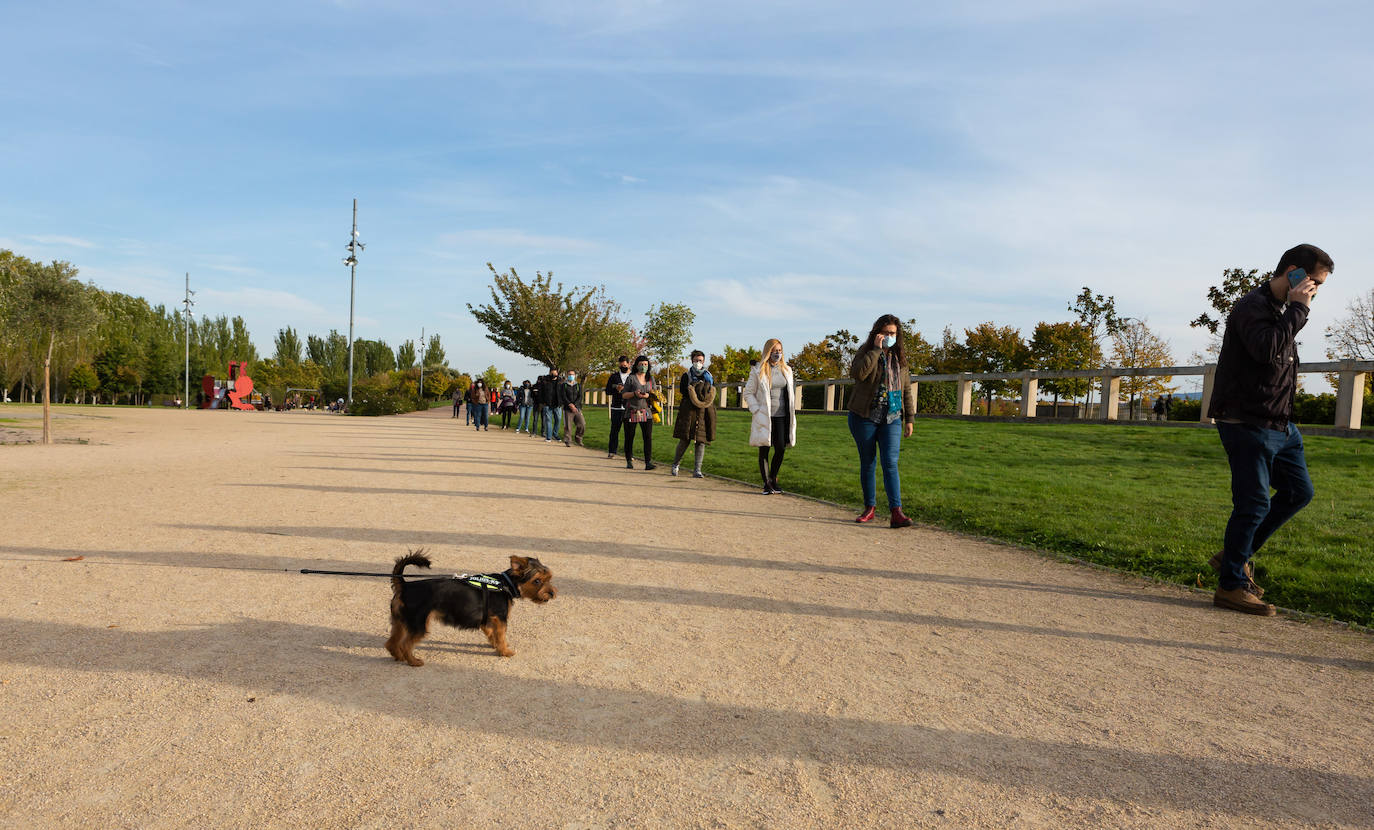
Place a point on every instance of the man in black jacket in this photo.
(615, 385)
(1252, 403)
(548, 404)
(570, 400)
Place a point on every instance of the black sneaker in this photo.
(651, 466)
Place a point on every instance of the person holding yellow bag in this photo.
(639, 393)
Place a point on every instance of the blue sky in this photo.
(785, 168)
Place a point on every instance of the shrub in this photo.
(1185, 410)
(1314, 409)
(386, 393)
(936, 397)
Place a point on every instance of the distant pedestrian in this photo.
(570, 398)
(1168, 405)
(481, 405)
(457, 400)
(524, 401)
(548, 404)
(506, 404)
(639, 394)
(615, 385)
(467, 400)
(773, 424)
(1252, 403)
(1159, 408)
(696, 415)
(881, 414)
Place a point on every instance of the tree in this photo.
(493, 377)
(1235, 283)
(815, 361)
(1098, 314)
(434, 352)
(920, 353)
(82, 378)
(47, 303)
(1135, 346)
(1352, 336)
(667, 331)
(288, 346)
(992, 349)
(732, 365)
(578, 328)
(405, 355)
(1061, 347)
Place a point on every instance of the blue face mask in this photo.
(889, 341)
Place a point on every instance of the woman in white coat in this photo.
(772, 402)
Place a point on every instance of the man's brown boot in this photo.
(1253, 587)
(1240, 599)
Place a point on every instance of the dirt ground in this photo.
(716, 658)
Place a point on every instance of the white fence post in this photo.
(1111, 392)
(1030, 389)
(1349, 396)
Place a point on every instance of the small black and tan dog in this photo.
(480, 601)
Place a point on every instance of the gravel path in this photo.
(715, 658)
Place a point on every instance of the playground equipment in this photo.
(234, 393)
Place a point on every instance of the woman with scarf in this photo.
(638, 394)
(696, 414)
(881, 413)
(772, 404)
(481, 404)
(506, 404)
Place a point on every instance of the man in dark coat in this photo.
(1252, 403)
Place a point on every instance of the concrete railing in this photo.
(1350, 379)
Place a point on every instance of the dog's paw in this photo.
(415, 661)
(510, 652)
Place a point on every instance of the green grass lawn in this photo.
(1145, 499)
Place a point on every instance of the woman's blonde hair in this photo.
(765, 377)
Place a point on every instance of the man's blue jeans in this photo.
(1260, 459)
(878, 441)
(524, 418)
(552, 414)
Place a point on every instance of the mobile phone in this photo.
(1296, 276)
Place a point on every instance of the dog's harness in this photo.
(487, 583)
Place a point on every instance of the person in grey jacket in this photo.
(570, 398)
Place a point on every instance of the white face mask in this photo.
(889, 340)
(698, 365)
(774, 358)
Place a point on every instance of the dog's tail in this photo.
(416, 558)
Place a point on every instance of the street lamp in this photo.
(354, 246)
(186, 313)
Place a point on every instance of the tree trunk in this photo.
(47, 392)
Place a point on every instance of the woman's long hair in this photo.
(765, 376)
(883, 322)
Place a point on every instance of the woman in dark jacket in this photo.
(881, 413)
(481, 404)
(696, 421)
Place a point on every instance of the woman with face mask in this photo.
(481, 405)
(696, 414)
(506, 404)
(881, 413)
(772, 403)
(639, 389)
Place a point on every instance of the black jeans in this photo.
(617, 421)
(1260, 458)
(646, 429)
(769, 472)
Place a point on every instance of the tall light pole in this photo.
(422, 364)
(354, 246)
(186, 313)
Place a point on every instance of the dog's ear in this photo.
(519, 564)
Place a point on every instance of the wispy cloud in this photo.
(61, 241)
(510, 239)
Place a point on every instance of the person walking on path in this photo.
(696, 414)
(457, 400)
(524, 401)
(638, 394)
(481, 405)
(881, 414)
(1252, 403)
(506, 405)
(773, 422)
(615, 385)
(537, 391)
(467, 405)
(548, 404)
(570, 399)
(1159, 408)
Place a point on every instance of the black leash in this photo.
(388, 576)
